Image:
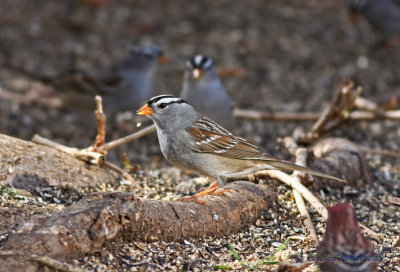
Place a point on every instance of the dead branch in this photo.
(338, 111)
(129, 138)
(94, 154)
(289, 180)
(86, 226)
(121, 171)
(397, 242)
(365, 104)
(301, 159)
(395, 201)
(358, 115)
(342, 158)
(301, 206)
(276, 116)
(25, 161)
(373, 116)
(89, 156)
(101, 126)
(386, 153)
(85, 155)
(341, 109)
(369, 231)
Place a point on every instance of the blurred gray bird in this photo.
(203, 89)
(383, 15)
(123, 86)
(344, 248)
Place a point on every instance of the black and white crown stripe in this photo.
(199, 62)
(167, 99)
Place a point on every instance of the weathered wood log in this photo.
(341, 158)
(86, 226)
(22, 161)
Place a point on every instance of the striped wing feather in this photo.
(213, 139)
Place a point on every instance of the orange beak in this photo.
(353, 17)
(163, 59)
(197, 73)
(145, 110)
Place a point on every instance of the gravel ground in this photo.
(294, 54)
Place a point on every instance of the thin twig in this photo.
(276, 116)
(301, 206)
(90, 156)
(394, 201)
(292, 182)
(373, 116)
(129, 138)
(45, 260)
(85, 155)
(120, 171)
(397, 242)
(338, 111)
(101, 127)
(386, 153)
(12, 96)
(301, 159)
(358, 115)
(365, 104)
(369, 231)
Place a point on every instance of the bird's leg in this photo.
(213, 189)
(222, 180)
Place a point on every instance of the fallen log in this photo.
(23, 162)
(87, 226)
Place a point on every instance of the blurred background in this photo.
(276, 55)
(272, 56)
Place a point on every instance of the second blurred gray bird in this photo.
(203, 89)
(383, 15)
(123, 86)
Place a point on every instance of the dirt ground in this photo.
(294, 54)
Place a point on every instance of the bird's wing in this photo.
(212, 138)
(100, 82)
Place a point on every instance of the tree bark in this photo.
(24, 163)
(86, 226)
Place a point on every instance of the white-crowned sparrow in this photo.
(193, 142)
(127, 83)
(383, 15)
(203, 89)
(344, 248)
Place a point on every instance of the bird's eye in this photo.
(162, 105)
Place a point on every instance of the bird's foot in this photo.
(213, 189)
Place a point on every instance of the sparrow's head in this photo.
(356, 7)
(169, 111)
(148, 53)
(199, 65)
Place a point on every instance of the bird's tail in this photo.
(287, 166)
